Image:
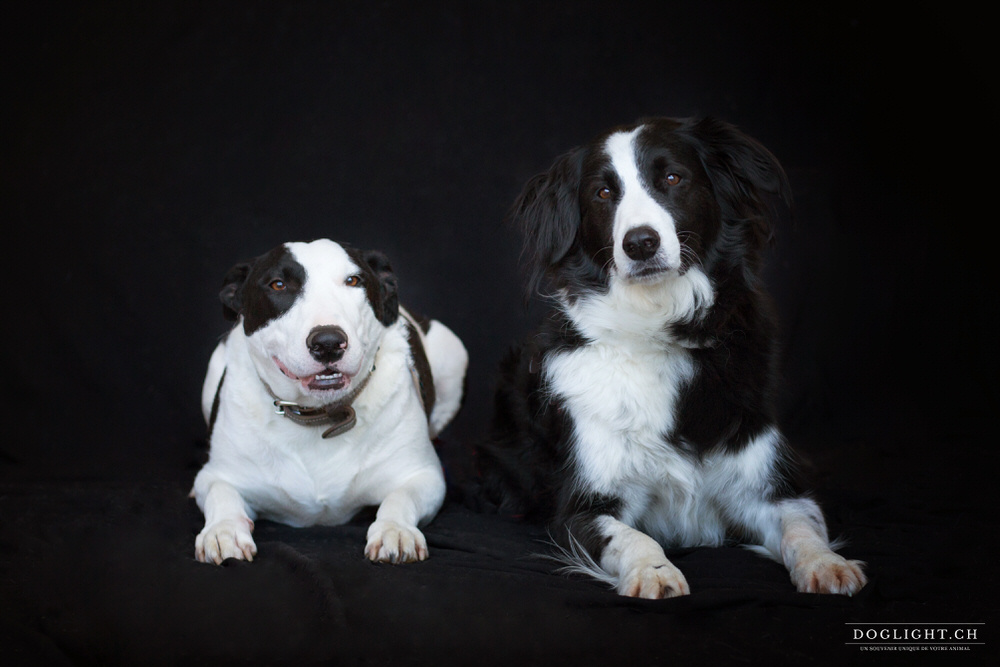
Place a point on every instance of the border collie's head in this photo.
(644, 203)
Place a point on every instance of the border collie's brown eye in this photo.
(353, 281)
(604, 193)
(278, 285)
(672, 179)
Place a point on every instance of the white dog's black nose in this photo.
(327, 343)
(641, 243)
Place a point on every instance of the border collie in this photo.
(324, 399)
(643, 412)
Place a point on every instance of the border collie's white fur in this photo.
(323, 400)
(642, 413)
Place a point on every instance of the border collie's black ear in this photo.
(747, 178)
(232, 291)
(547, 212)
(384, 293)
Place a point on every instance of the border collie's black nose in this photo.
(326, 344)
(641, 243)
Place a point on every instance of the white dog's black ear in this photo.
(381, 287)
(547, 212)
(232, 291)
(748, 180)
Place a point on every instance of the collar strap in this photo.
(339, 415)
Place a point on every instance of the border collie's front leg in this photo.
(638, 561)
(747, 489)
(792, 531)
(628, 559)
(805, 550)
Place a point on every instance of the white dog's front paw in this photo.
(390, 542)
(229, 538)
(654, 582)
(829, 573)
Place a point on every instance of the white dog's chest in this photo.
(303, 481)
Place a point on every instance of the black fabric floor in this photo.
(98, 573)
(148, 147)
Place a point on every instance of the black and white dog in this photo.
(643, 412)
(322, 400)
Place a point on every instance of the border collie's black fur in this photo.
(645, 405)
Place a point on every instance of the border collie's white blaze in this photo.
(637, 209)
(322, 400)
(642, 413)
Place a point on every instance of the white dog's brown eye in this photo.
(604, 193)
(278, 285)
(672, 179)
(353, 281)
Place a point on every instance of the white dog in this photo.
(322, 400)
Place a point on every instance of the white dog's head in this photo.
(314, 315)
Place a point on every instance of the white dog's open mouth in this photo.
(327, 380)
(331, 380)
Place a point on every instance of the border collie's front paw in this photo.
(390, 542)
(829, 573)
(229, 538)
(654, 582)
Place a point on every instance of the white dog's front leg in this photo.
(227, 526)
(394, 537)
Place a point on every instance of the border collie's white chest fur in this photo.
(622, 389)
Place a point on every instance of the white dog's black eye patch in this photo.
(379, 282)
(268, 287)
(263, 290)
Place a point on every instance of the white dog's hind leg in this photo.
(394, 537)
(449, 360)
(216, 368)
(228, 527)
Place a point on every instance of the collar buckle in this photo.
(279, 407)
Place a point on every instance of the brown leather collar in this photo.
(340, 415)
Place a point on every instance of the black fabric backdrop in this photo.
(148, 147)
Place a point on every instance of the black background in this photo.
(149, 147)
